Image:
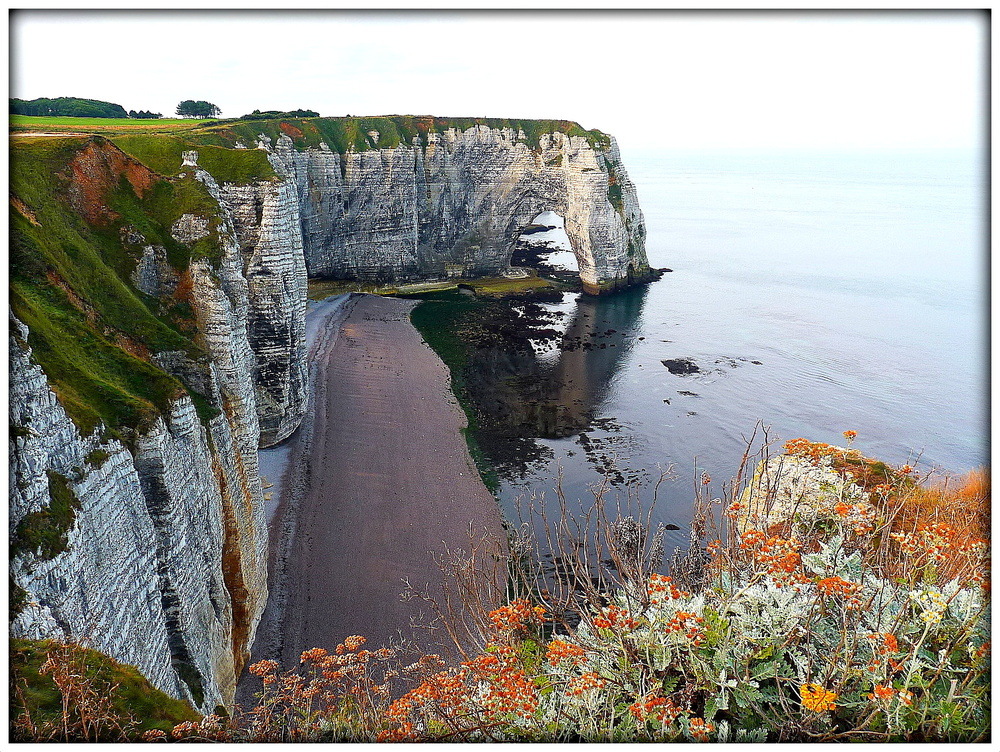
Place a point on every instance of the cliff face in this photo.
(265, 218)
(456, 201)
(139, 532)
(139, 574)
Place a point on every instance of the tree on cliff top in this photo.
(199, 109)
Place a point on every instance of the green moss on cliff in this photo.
(352, 133)
(46, 532)
(615, 197)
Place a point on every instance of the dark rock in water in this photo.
(692, 412)
(666, 270)
(667, 401)
(532, 229)
(688, 394)
(756, 362)
(681, 366)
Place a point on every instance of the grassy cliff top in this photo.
(341, 134)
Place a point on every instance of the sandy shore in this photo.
(377, 477)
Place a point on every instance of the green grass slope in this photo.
(71, 262)
(118, 703)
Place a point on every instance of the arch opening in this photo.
(544, 246)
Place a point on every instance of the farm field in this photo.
(100, 125)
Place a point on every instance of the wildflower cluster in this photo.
(859, 518)
(560, 650)
(616, 618)
(780, 557)
(663, 710)
(830, 587)
(700, 729)
(689, 624)
(334, 694)
(485, 693)
(584, 683)
(515, 616)
(660, 588)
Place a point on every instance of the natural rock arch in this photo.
(460, 199)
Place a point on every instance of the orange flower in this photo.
(614, 617)
(313, 656)
(889, 642)
(354, 642)
(263, 667)
(814, 697)
(688, 623)
(660, 587)
(657, 708)
(559, 650)
(515, 615)
(850, 436)
(830, 586)
(590, 680)
(701, 729)
(882, 692)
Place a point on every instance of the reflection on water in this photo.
(548, 382)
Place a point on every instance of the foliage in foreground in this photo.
(63, 692)
(836, 623)
(853, 613)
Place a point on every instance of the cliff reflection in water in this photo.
(546, 372)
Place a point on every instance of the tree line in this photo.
(93, 108)
(67, 107)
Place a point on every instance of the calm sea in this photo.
(816, 292)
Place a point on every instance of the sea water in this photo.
(816, 293)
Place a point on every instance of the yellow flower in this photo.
(814, 697)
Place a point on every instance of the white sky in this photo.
(652, 79)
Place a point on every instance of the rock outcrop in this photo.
(455, 202)
(265, 218)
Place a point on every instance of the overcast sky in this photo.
(652, 79)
